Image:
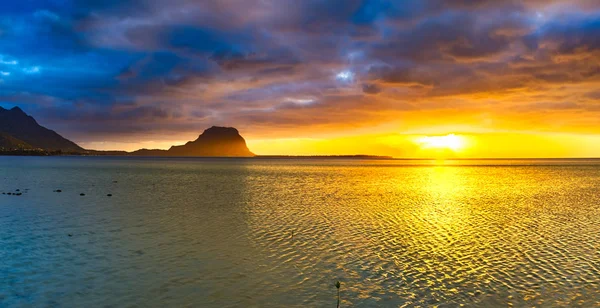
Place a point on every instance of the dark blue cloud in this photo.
(13, 8)
(571, 37)
(204, 40)
(138, 60)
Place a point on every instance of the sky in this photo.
(509, 78)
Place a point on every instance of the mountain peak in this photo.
(17, 110)
(24, 129)
(214, 141)
(13, 109)
(220, 130)
(223, 128)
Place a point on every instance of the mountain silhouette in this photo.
(21, 132)
(214, 142)
(18, 128)
(8, 142)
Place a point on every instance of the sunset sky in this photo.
(493, 78)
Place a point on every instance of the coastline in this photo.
(93, 153)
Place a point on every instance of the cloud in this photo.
(5, 61)
(32, 70)
(567, 38)
(180, 65)
(551, 106)
(371, 88)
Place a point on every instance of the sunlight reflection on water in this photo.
(272, 233)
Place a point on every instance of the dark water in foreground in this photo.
(218, 233)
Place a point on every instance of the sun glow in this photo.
(451, 142)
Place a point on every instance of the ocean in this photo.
(201, 232)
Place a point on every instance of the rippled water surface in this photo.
(275, 233)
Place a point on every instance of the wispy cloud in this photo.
(32, 70)
(5, 61)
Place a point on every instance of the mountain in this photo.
(8, 143)
(215, 142)
(19, 128)
(20, 132)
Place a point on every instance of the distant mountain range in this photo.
(20, 134)
(21, 131)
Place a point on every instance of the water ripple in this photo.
(243, 233)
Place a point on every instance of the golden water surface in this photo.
(274, 233)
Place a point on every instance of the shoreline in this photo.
(41, 153)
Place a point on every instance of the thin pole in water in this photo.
(337, 285)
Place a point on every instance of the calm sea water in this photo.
(275, 233)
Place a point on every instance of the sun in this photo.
(450, 142)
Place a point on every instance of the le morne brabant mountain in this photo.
(20, 134)
(215, 141)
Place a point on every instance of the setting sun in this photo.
(317, 153)
(451, 142)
